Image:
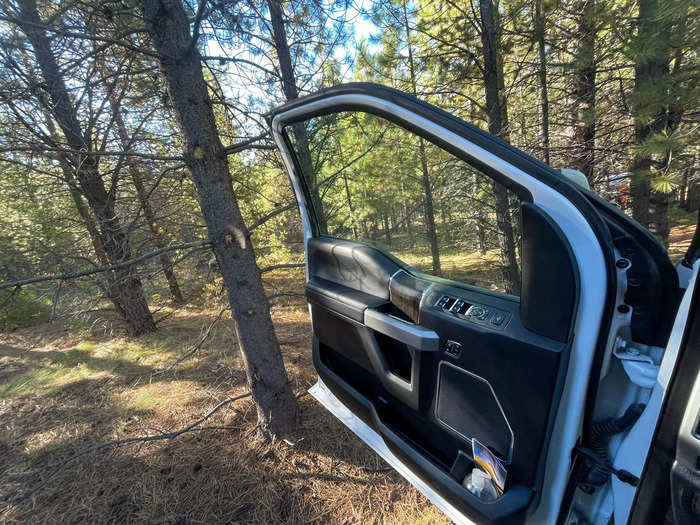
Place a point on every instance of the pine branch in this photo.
(99, 269)
(248, 144)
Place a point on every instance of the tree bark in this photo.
(115, 243)
(291, 92)
(429, 206)
(180, 64)
(585, 91)
(693, 251)
(649, 67)
(148, 213)
(497, 113)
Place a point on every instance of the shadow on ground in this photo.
(60, 398)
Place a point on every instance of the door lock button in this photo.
(453, 349)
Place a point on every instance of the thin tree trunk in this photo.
(540, 30)
(387, 229)
(101, 202)
(407, 217)
(180, 64)
(650, 67)
(106, 282)
(110, 288)
(498, 124)
(585, 91)
(142, 195)
(693, 251)
(429, 206)
(350, 206)
(481, 218)
(291, 92)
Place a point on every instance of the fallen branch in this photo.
(196, 346)
(99, 269)
(281, 266)
(142, 439)
(286, 294)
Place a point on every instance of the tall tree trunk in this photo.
(387, 228)
(585, 91)
(408, 219)
(142, 195)
(651, 66)
(429, 206)
(291, 92)
(105, 280)
(109, 287)
(693, 251)
(180, 64)
(353, 219)
(101, 202)
(497, 112)
(540, 30)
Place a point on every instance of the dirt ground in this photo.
(65, 390)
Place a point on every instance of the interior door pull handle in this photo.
(413, 335)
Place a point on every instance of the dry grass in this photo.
(62, 391)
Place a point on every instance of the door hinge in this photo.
(593, 459)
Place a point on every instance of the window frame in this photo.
(520, 191)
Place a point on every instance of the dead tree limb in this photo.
(281, 266)
(140, 439)
(286, 294)
(272, 214)
(248, 144)
(196, 346)
(105, 268)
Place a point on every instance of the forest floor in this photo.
(66, 389)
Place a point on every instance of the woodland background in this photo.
(134, 151)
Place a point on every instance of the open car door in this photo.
(460, 292)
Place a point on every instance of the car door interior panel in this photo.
(431, 364)
(461, 291)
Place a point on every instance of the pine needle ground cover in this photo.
(64, 391)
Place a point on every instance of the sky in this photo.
(361, 29)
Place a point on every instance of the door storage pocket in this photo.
(468, 406)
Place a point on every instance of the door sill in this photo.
(323, 395)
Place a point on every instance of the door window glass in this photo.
(373, 181)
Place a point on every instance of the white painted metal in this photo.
(586, 250)
(634, 449)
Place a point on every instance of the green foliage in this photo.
(20, 309)
(664, 183)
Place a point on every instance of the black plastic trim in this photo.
(508, 509)
(550, 277)
(341, 299)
